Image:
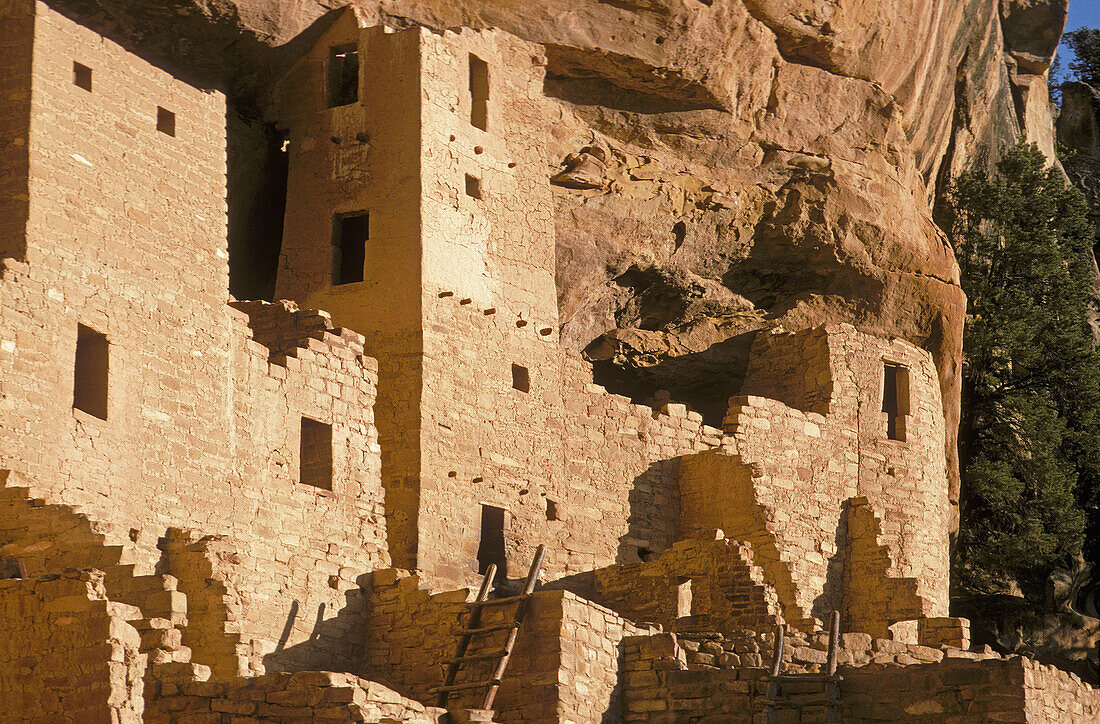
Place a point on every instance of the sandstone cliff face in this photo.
(721, 166)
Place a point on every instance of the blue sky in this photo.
(1082, 14)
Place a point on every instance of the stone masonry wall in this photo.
(303, 696)
(68, 653)
(784, 473)
(564, 668)
(671, 679)
(904, 479)
(1052, 695)
(16, 43)
(567, 461)
(481, 260)
(696, 584)
(126, 235)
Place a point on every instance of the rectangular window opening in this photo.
(683, 598)
(90, 372)
(551, 510)
(315, 464)
(473, 186)
(82, 76)
(521, 378)
(491, 548)
(895, 399)
(166, 121)
(343, 75)
(479, 93)
(351, 234)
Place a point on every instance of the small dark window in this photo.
(343, 75)
(479, 93)
(82, 76)
(491, 548)
(895, 400)
(473, 186)
(166, 121)
(316, 454)
(90, 372)
(551, 510)
(521, 378)
(351, 233)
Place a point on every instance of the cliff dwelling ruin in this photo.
(226, 510)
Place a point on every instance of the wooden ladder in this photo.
(831, 679)
(474, 629)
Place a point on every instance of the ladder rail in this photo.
(464, 640)
(521, 612)
(474, 628)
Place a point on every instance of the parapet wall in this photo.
(671, 678)
(62, 628)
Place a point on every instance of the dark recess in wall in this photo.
(257, 177)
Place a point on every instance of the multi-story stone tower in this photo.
(420, 215)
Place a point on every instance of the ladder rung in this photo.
(489, 629)
(476, 657)
(463, 687)
(501, 601)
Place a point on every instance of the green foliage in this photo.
(1085, 44)
(1029, 441)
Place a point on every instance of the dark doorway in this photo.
(352, 233)
(90, 372)
(343, 75)
(491, 549)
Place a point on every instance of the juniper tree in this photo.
(1029, 439)
(1085, 44)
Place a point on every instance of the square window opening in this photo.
(473, 186)
(490, 550)
(351, 232)
(479, 93)
(166, 121)
(315, 462)
(895, 399)
(82, 76)
(521, 378)
(90, 372)
(342, 83)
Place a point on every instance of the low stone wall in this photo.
(565, 666)
(1052, 696)
(671, 678)
(709, 584)
(304, 696)
(67, 653)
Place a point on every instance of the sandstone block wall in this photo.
(568, 462)
(480, 260)
(125, 234)
(303, 696)
(670, 678)
(68, 653)
(792, 460)
(565, 666)
(1052, 695)
(710, 585)
(16, 52)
